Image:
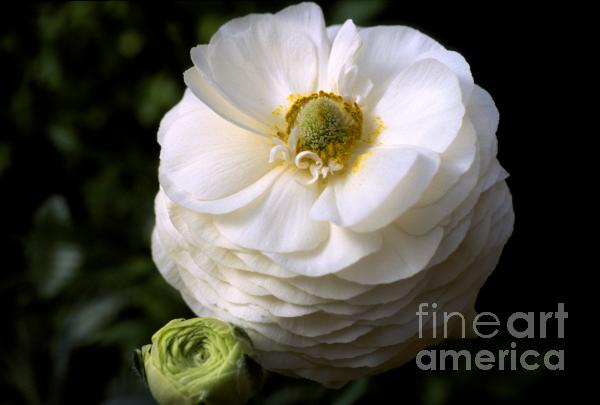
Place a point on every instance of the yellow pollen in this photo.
(360, 161)
(371, 137)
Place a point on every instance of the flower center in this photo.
(326, 125)
(321, 130)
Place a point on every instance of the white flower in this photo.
(317, 184)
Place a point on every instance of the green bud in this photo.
(199, 361)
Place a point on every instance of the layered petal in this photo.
(278, 221)
(380, 184)
(213, 167)
(341, 249)
(422, 106)
(401, 257)
(212, 160)
(388, 50)
(253, 64)
(343, 75)
(188, 103)
(205, 89)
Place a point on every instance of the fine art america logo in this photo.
(509, 359)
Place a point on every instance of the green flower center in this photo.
(325, 124)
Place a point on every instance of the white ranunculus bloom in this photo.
(318, 183)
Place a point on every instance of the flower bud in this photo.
(199, 360)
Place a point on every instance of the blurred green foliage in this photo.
(84, 87)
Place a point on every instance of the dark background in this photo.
(84, 86)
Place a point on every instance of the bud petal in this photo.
(199, 360)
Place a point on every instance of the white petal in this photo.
(452, 239)
(421, 219)
(330, 287)
(201, 236)
(163, 261)
(262, 265)
(422, 106)
(207, 157)
(256, 68)
(401, 257)
(325, 208)
(270, 335)
(342, 248)
(484, 116)
(455, 162)
(332, 31)
(494, 174)
(400, 310)
(344, 51)
(278, 221)
(273, 287)
(342, 308)
(209, 297)
(171, 238)
(388, 50)
(206, 90)
(381, 184)
(475, 243)
(308, 17)
(396, 294)
(226, 204)
(457, 63)
(316, 355)
(316, 324)
(198, 229)
(216, 287)
(188, 103)
(276, 63)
